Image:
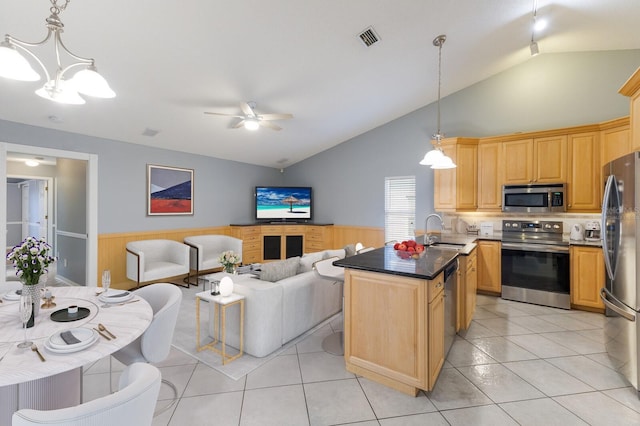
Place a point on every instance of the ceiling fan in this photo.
(252, 121)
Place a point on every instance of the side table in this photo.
(220, 312)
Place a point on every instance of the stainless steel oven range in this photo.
(535, 263)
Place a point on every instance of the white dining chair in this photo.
(333, 343)
(132, 404)
(155, 343)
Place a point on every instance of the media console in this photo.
(265, 242)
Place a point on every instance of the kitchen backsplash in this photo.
(452, 220)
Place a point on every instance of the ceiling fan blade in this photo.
(275, 116)
(269, 125)
(239, 124)
(247, 109)
(224, 115)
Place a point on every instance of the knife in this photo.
(102, 334)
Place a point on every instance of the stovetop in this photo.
(532, 231)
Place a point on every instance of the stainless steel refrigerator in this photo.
(620, 233)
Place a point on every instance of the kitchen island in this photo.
(394, 316)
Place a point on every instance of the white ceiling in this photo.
(171, 61)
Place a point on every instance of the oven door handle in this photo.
(623, 311)
(542, 248)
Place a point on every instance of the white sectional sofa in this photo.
(279, 311)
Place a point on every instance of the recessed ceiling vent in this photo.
(369, 37)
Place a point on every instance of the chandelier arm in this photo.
(89, 61)
(12, 40)
(19, 44)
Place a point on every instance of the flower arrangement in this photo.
(229, 260)
(31, 258)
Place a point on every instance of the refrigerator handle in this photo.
(623, 311)
(605, 203)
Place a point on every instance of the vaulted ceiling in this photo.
(169, 62)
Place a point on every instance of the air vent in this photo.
(150, 132)
(368, 37)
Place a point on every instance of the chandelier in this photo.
(56, 88)
(436, 157)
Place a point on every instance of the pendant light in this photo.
(436, 157)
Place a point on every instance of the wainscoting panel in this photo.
(368, 236)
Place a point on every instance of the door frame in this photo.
(91, 208)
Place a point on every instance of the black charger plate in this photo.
(63, 315)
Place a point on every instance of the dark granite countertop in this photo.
(385, 260)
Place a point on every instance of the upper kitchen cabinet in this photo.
(539, 160)
(584, 183)
(490, 176)
(614, 140)
(632, 89)
(457, 189)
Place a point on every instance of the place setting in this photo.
(71, 340)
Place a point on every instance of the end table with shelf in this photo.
(220, 304)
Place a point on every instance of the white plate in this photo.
(68, 350)
(115, 296)
(85, 335)
(12, 295)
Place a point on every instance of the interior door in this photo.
(25, 210)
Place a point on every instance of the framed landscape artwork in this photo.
(169, 190)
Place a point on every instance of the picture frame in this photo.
(169, 190)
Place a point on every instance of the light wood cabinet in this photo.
(394, 329)
(587, 277)
(489, 176)
(251, 242)
(317, 238)
(539, 160)
(584, 183)
(632, 89)
(615, 140)
(468, 286)
(489, 264)
(457, 189)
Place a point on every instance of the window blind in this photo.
(399, 207)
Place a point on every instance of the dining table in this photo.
(27, 381)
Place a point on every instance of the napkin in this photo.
(69, 338)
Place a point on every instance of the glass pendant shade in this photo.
(89, 82)
(14, 66)
(444, 163)
(432, 157)
(251, 124)
(63, 94)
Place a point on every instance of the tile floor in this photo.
(518, 364)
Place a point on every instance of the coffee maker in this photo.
(592, 230)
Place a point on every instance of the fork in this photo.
(35, 349)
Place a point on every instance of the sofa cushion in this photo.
(307, 261)
(339, 253)
(276, 271)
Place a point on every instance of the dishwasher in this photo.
(450, 312)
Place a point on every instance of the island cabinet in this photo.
(536, 160)
(467, 289)
(632, 89)
(587, 277)
(457, 189)
(489, 267)
(584, 183)
(489, 176)
(394, 329)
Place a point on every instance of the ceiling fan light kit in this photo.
(436, 158)
(87, 81)
(252, 121)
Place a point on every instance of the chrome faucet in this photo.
(428, 239)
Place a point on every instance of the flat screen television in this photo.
(283, 203)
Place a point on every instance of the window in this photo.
(399, 207)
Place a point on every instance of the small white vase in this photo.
(226, 287)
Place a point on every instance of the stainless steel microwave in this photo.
(534, 198)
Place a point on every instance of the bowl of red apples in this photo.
(408, 249)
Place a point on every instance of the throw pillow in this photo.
(307, 261)
(350, 250)
(276, 271)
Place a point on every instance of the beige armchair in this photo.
(205, 250)
(152, 260)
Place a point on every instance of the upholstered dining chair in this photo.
(206, 249)
(155, 343)
(132, 404)
(333, 343)
(152, 260)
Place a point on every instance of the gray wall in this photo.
(548, 91)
